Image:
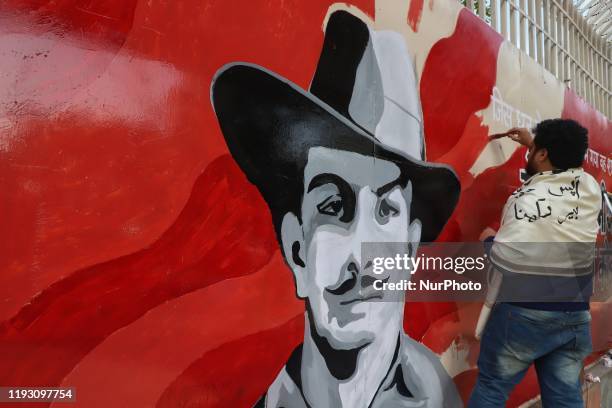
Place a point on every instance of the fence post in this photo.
(540, 31)
(522, 27)
(513, 23)
(547, 51)
(495, 15)
(504, 16)
(554, 60)
(531, 29)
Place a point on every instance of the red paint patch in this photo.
(236, 374)
(105, 21)
(467, 149)
(488, 193)
(418, 316)
(414, 14)
(168, 339)
(209, 242)
(457, 81)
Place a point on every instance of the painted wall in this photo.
(138, 264)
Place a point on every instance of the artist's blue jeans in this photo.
(515, 337)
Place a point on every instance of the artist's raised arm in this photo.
(519, 135)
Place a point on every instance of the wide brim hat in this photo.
(363, 99)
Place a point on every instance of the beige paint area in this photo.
(438, 20)
(524, 94)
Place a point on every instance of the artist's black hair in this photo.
(565, 140)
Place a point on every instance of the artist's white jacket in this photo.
(549, 225)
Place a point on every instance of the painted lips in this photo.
(367, 292)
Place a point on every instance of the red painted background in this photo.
(135, 255)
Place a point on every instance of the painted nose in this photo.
(368, 280)
(350, 274)
(363, 228)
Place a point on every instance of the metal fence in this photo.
(557, 36)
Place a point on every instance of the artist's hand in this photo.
(487, 233)
(519, 135)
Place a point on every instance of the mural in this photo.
(183, 186)
(338, 166)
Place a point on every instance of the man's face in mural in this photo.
(348, 199)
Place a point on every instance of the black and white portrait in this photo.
(340, 164)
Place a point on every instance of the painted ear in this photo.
(295, 254)
(415, 227)
(414, 236)
(294, 251)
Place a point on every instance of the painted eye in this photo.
(386, 210)
(331, 206)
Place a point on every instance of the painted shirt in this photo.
(416, 379)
